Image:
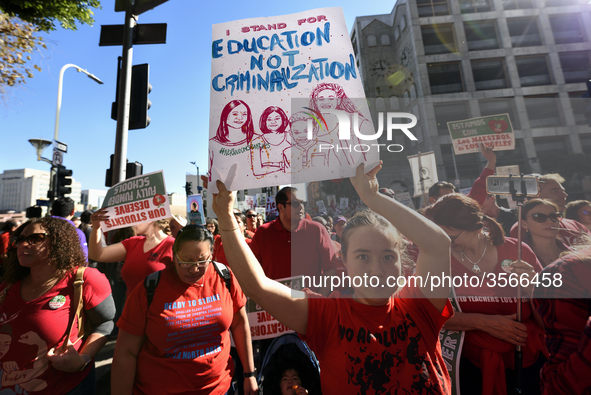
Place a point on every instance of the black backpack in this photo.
(151, 282)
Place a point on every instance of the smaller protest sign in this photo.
(405, 198)
(262, 324)
(261, 211)
(344, 203)
(494, 131)
(271, 209)
(261, 200)
(136, 201)
(321, 207)
(332, 201)
(195, 210)
(249, 202)
(424, 171)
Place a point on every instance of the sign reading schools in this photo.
(135, 201)
(494, 131)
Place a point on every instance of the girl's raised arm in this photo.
(434, 244)
(272, 296)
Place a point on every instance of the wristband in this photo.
(86, 359)
(250, 374)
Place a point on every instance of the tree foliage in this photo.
(18, 40)
(45, 13)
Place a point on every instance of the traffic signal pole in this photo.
(119, 160)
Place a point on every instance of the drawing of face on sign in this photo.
(274, 120)
(270, 150)
(236, 126)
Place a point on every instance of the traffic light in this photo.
(63, 179)
(188, 186)
(139, 104)
(132, 169)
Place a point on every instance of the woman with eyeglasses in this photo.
(148, 252)
(579, 210)
(179, 343)
(36, 307)
(218, 248)
(541, 222)
(488, 302)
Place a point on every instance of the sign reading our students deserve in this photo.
(495, 131)
(135, 201)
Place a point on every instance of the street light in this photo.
(59, 92)
(40, 145)
(198, 187)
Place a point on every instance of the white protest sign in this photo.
(136, 201)
(344, 203)
(259, 66)
(427, 171)
(271, 208)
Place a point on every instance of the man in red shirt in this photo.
(291, 237)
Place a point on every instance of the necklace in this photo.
(475, 268)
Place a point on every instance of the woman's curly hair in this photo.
(65, 252)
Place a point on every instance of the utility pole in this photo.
(119, 160)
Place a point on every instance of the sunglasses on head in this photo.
(541, 218)
(32, 239)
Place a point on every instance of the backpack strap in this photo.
(224, 273)
(78, 302)
(150, 283)
(4, 292)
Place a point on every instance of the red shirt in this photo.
(390, 349)
(309, 245)
(28, 329)
(139, 264)
(478, 191)
(565, 309)
(487, 352)
(218, 250)
(570, 231)
(187, 346)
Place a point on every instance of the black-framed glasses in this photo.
(32, 239)
(541, 218)
(297, 203)
(456, 236)
(199, 264)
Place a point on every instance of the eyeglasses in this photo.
(251, 216)
(297, 203)
(541, 218)
(456, 236)
(32, 239)
(199, 264)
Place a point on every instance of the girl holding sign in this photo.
(375, 341)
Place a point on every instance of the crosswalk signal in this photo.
(63, 179)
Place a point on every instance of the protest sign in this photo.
(344, 203)
(271, 209)
(261, 200)
(321, 207)
(262, 211)
(495, 131)
(405, 198)
(424, 175)
(250, 202)
(136, 201)
(262, 324)
(258, 67)
(332, 201)
(195, 210)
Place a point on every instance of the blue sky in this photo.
(179, 74)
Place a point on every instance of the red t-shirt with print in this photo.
(386, 349)
(30, 329)
(187, 346)
(139, 264)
